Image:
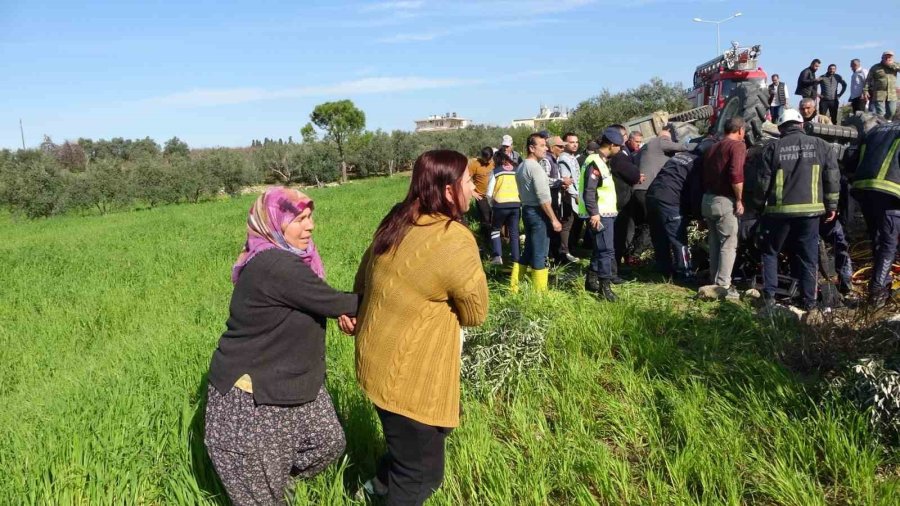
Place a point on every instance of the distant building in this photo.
(544, 118)
(449, 121)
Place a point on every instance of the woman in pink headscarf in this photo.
(268, 415)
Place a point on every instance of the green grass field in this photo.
(107, 324)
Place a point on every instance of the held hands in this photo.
(347, 324)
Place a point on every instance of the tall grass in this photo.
(107, 324)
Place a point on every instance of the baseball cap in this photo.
(556, 141)
(789, 115)
(593, 146)
(614, 136)
(889, 52)
(507, 140)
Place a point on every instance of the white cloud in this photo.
(393, 6)
(363, 86)
(411, 37)
(865, 45)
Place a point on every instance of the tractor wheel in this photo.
(695, 114)
(748, 101)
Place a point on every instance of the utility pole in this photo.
(22, 131)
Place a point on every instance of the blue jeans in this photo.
(508, 216)
(885, 108)
(537, 238)
(804, 236)
(668, 231)
(603, 253)
(775, 110)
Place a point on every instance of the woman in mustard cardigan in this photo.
(421, 280)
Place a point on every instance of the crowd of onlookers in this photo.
(620, 194)
(269, 417)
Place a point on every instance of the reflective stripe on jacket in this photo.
(879, 168)
(599, 191)
(505, 192)
(799, 176)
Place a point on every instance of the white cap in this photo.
(507, 140)
(789, 115)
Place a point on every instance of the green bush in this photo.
(33, 183)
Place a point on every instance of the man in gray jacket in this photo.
(650, 159)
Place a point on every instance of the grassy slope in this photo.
(108, 324)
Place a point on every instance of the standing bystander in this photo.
(777, 97)
(537, 211)
(881, 85)
(723, 187)
(857, 83)
(480, 169)
(829, 97)
(807, 81)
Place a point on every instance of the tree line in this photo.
(104, 175)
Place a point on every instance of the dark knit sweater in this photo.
(276, 330)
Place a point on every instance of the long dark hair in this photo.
(432, 172)
(486, 154)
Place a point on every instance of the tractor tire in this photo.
(748, 101)
(863, 122)
(704, 112)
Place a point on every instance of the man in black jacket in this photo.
(796, 185)
(808, 82)
(672, 199)
(625, 175)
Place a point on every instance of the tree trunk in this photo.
(343, 171)
(391, 168)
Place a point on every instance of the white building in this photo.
(544, 118)
(449, 121)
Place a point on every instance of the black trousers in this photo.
(413, 467)
(634, 234)
(858, 104)
(829, 108)
(568, 216)
(483, 210)
(882, 213)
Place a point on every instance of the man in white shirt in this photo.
(857, 83)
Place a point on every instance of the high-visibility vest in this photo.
(606, 191)
(506, 191)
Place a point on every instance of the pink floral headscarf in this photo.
(271, 212)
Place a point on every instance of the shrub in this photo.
(495, 356)
(32, 183)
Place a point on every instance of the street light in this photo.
(717, 23)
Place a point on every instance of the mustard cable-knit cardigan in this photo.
(415, 298)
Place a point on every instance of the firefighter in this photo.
(599, 204)
(876, 187)
(797, 183)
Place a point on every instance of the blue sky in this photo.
(220, 73)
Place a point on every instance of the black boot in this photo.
(592, 282)
(606, 291)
